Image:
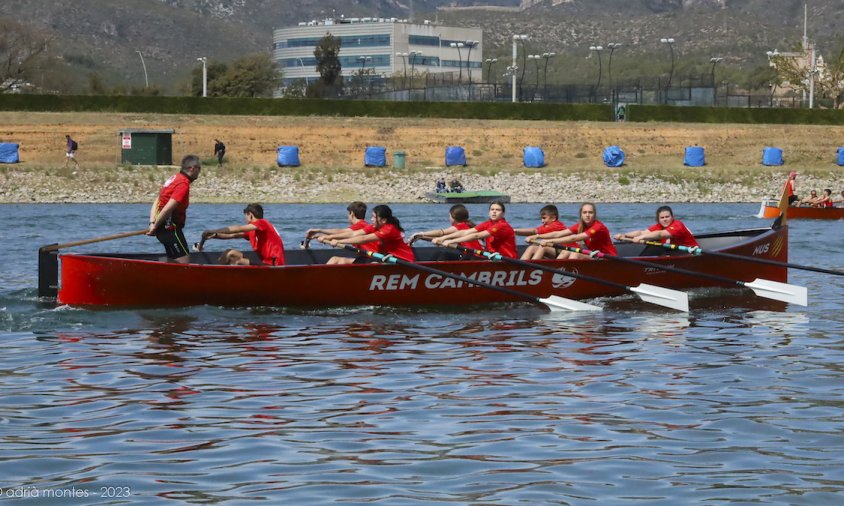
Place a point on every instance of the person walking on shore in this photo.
(168, 213)
(70, 151)
(219, 151)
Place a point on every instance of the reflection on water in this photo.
(506, 405)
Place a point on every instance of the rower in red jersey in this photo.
(386, 233)
(593, 233)
(496, 233)
(458, 215)
(667, 230)
(550, 218)
(357, 226)
(261, 234)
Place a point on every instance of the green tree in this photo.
(330, 83)
(215, 70)
(831, 83)
(255, 75)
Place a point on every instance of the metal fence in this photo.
(686, 91)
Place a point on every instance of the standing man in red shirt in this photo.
(260, 233)
(169, 211)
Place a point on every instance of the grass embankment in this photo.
(331, 151)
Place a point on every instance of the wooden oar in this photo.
(698, 251)
(785, 292)
(648, 293)
(54, 247)
(554, 302)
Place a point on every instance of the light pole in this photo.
(489, 62)
(613, 46)
(597, 50)
(458, 45)
(413, 55)
(404, 66)
(204, 61)
(302, 64)
(547, 57)
(670, 43)
(515, 67)
(363, 60)
(535, 58)
(470, 44)
(144, 65)
(714, 61)
(813, 69)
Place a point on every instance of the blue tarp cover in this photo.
(8, 152)
(771, 156)
(454, 155)
(613, 156)
(375, 156)
(288, 156)
(534, 156)
(841, 156)
(694, 157)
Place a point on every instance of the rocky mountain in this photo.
(106, 36)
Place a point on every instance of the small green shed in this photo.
(146, 147)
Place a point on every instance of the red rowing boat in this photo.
(138, 280)
(769, 209)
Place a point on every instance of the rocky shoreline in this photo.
(132, 185)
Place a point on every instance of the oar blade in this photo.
(662, 296)
(793, 294)
(557, 303)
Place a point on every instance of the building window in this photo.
(423, 40)
(345, 41)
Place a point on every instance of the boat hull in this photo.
(471, 197)
(806, 213)
(120, 281)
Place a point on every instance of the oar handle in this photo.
(54, 247)
(601, 254)
(425, 268)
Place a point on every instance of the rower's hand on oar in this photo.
(415, 237)
(334, 243)
(151, 230)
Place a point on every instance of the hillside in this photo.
(104, 36)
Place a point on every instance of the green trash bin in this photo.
(399, 158)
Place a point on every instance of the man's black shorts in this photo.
(174, 242)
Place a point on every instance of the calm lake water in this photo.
(739, 401)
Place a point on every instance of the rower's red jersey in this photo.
(553, 226)
(266, 242)
(392, 243)
(502, 239)
(468, 244)
(367, 229)
(680, 234)
(598, 238)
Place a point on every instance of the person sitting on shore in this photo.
(441, 188)
(357, 226)
(455, 186)
(810, 200)
(458, 215)
(593, 233)
(260, 233)
(666, 230)
(825, 200)
(549, 216)
(496, 233)
(386, 233)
